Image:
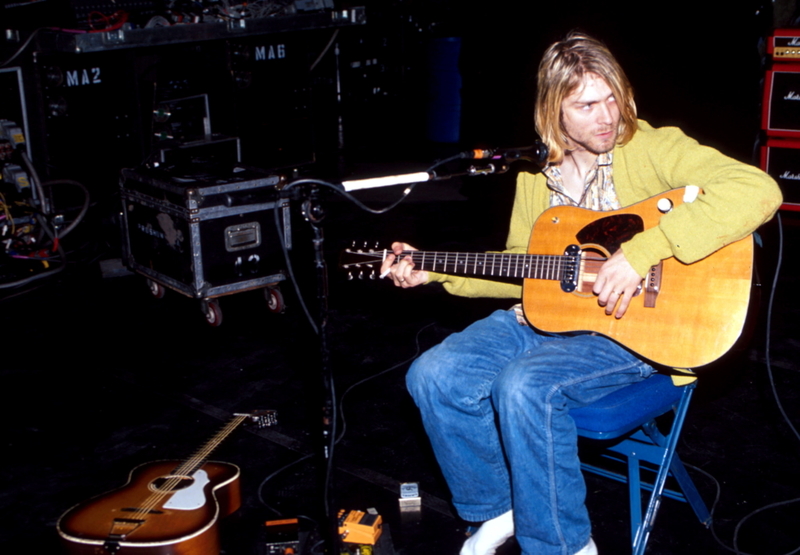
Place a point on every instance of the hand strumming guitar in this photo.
(617, 283)
(403, 273)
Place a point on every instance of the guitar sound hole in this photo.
(168, 484)
(592, 262)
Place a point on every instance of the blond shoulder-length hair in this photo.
(561, 71)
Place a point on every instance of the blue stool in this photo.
(626, 421)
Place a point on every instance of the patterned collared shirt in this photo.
(598, 192)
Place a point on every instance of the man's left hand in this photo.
(617, 283)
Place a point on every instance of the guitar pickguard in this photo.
(603, 236)
(611, 231)
(192, 497)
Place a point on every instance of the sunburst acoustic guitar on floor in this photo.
(166, 508)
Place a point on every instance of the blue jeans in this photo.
(495, 403)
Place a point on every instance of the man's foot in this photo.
(589, 549)
(491, 535)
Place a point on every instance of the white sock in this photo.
(589, 549)
(491, 535)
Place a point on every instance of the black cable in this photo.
(341, 435)
(44, 225)
(754, 513)
(769, 329)
(407, 191)
(334, 414)
(282, 238)
(271, 476)
(37, 183)
(44, 228)
(328, 478)
(84, 207)
(21, 49)
(26, 281)
(290, 269)
(713, 505)
(324, 51)
(771, 376)
(339, 190)
(737, 529)
(718, 487)
(381, 373)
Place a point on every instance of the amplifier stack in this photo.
(780, 119)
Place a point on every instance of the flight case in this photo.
(205, 233)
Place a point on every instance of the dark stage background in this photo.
(99, 376)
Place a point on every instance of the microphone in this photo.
(536, 153)
(385, 181)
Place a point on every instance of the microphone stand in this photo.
(314, 213)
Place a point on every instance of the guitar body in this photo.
(698, 312)
(181, 520)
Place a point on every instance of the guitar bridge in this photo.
(138, 510)
(121, 528)
(652, 285)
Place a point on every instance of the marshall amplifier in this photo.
(781, 111)
(784, 45)
(781, 159)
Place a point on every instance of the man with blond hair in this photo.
(496, 398)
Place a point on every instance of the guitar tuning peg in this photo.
(262, 418)
(361, 275)
(373, 274)
(350, 276)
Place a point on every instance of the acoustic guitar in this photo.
(683, 316)
(166, 508)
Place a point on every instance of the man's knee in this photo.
(520, 386)
(425, 373)
(438, 375)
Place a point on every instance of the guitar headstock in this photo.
(362, 261)
(261, 418)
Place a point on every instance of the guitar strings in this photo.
(420, 256)
(187, 468)
(537, 266)
(197, 459)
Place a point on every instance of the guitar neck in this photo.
(527, 266)
(190, 465)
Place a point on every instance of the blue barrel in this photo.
(444, 90)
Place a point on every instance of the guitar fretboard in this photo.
(200, 456)
(527, 266)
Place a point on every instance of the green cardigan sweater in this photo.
(736, 199)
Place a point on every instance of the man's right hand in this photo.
(403, 273)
